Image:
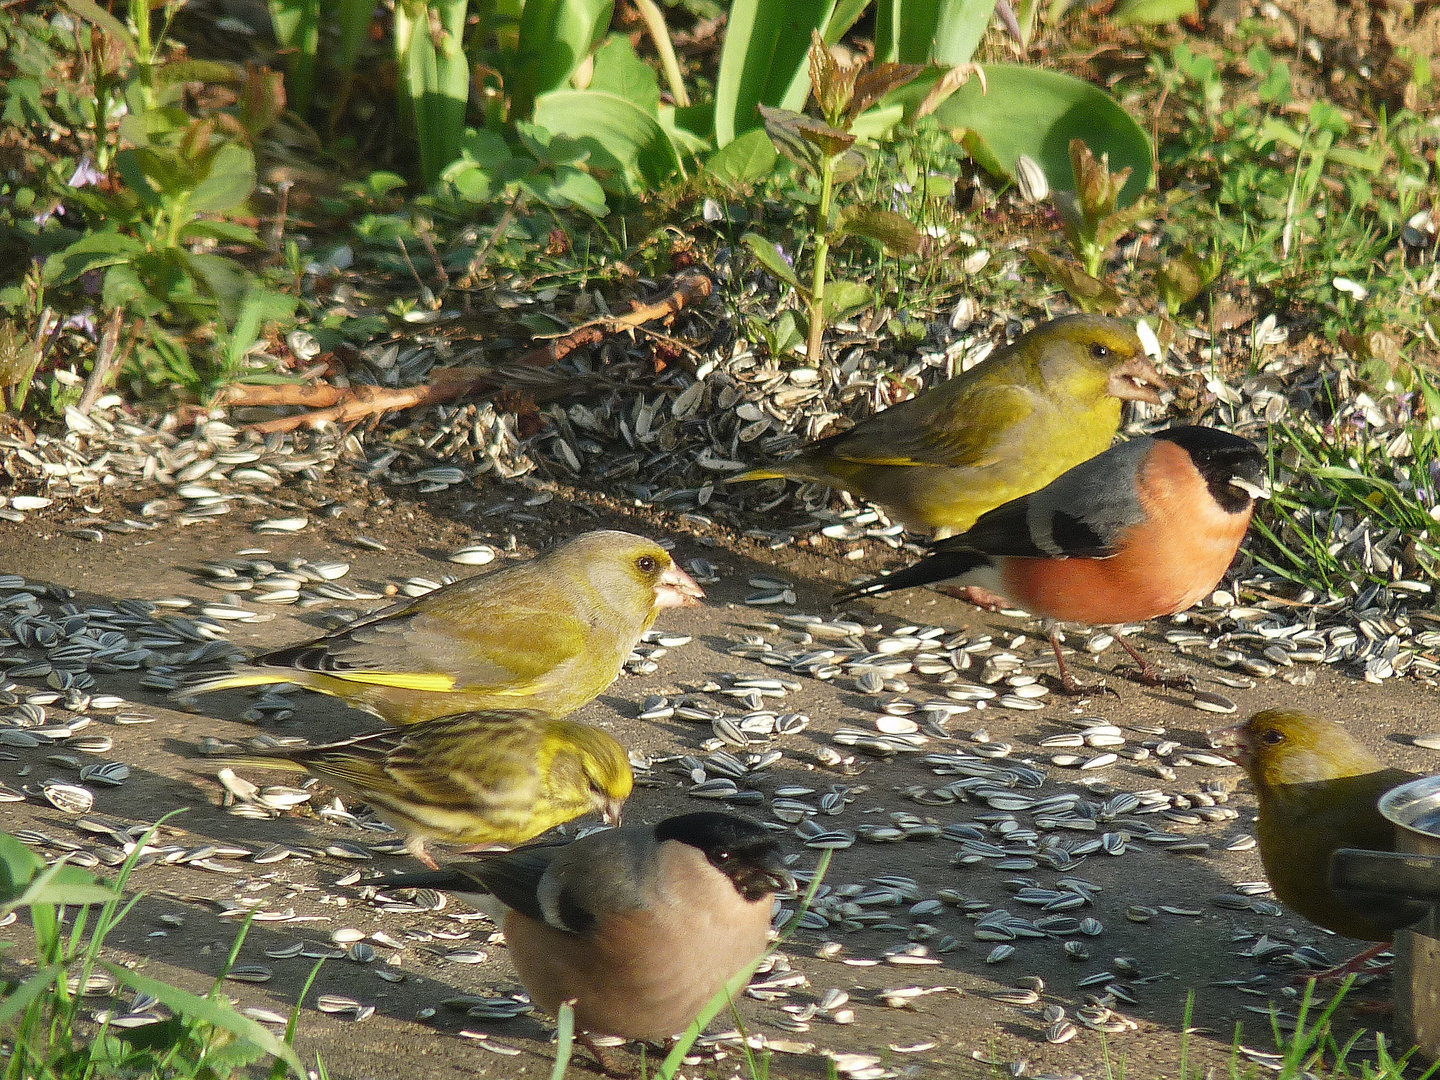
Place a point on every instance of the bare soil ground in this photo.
(412, 1036)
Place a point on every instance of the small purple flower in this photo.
(85, 174)
(898, 203)
(790, 262)
(43, 218)
(82, 322)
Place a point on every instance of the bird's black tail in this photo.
(941, 565)
(444, 880)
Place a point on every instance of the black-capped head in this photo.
(1234, 468)
(743, 850)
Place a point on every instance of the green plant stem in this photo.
(660, 34)
(822, 250)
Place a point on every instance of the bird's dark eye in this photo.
(1099, 352)
(1273, 736)
(646, 564)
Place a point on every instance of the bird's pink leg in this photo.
(1355, 965)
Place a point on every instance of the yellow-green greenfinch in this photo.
(1003, 429)
(1317, 787)
(639, 927)
(478, 778)
(546, 635)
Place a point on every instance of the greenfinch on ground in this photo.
(476, 779)
(1317, 787)
(1005, 428)
(546, 635)
(639, 927)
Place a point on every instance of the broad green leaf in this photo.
(843, 297)
(482, 147)
(742, 162)
(620, 72)
(201, 71)
(620, 136)
(259, 307)
(227, 232)
(680, 124)
(90, 253)
(216, 1013)
(112, 27)
(26, 880)
(1151, 12)
(930, 31)
(225, 280)
(568, 187)
(1037, 112)
(435, 78)
(784, 128)
(765, 60)
(297, 28)
(892, 230)
(770, 258)
(555, 36)
(230, 182)
(1090, 293)
(549, 149)
(18, 866)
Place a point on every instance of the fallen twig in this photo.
(346, 405)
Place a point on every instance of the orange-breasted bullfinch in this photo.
(640, 926)
(1145, 529)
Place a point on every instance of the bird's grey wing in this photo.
(515, 876)
(1081, 514)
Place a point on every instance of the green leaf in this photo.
(200, 71)
(770, 258)
(620, 72)
(620, 136)
(743, 161)
(843, 297)
(930, 31)
(1090, 293)
(555, 36)
(90, 253)
(227, 232)
(893, 230)
(1037, 112)
(25, 880)
(259, 307)
(785, 128)
(216, 1013)
(765, 60)
(230, 181)
(18, 1000)
(18, 867)
(568, 187)
(112, 27)
(1151, 12)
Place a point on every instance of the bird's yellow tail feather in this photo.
(756, 474)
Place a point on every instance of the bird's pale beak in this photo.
(1251, 488)
(677, 589)
(1137, 380)
(1232, 742)
(612, 811)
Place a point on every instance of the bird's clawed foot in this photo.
(1148, 674)
(1069, 684)
(1359, 964)
(608, 1067)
